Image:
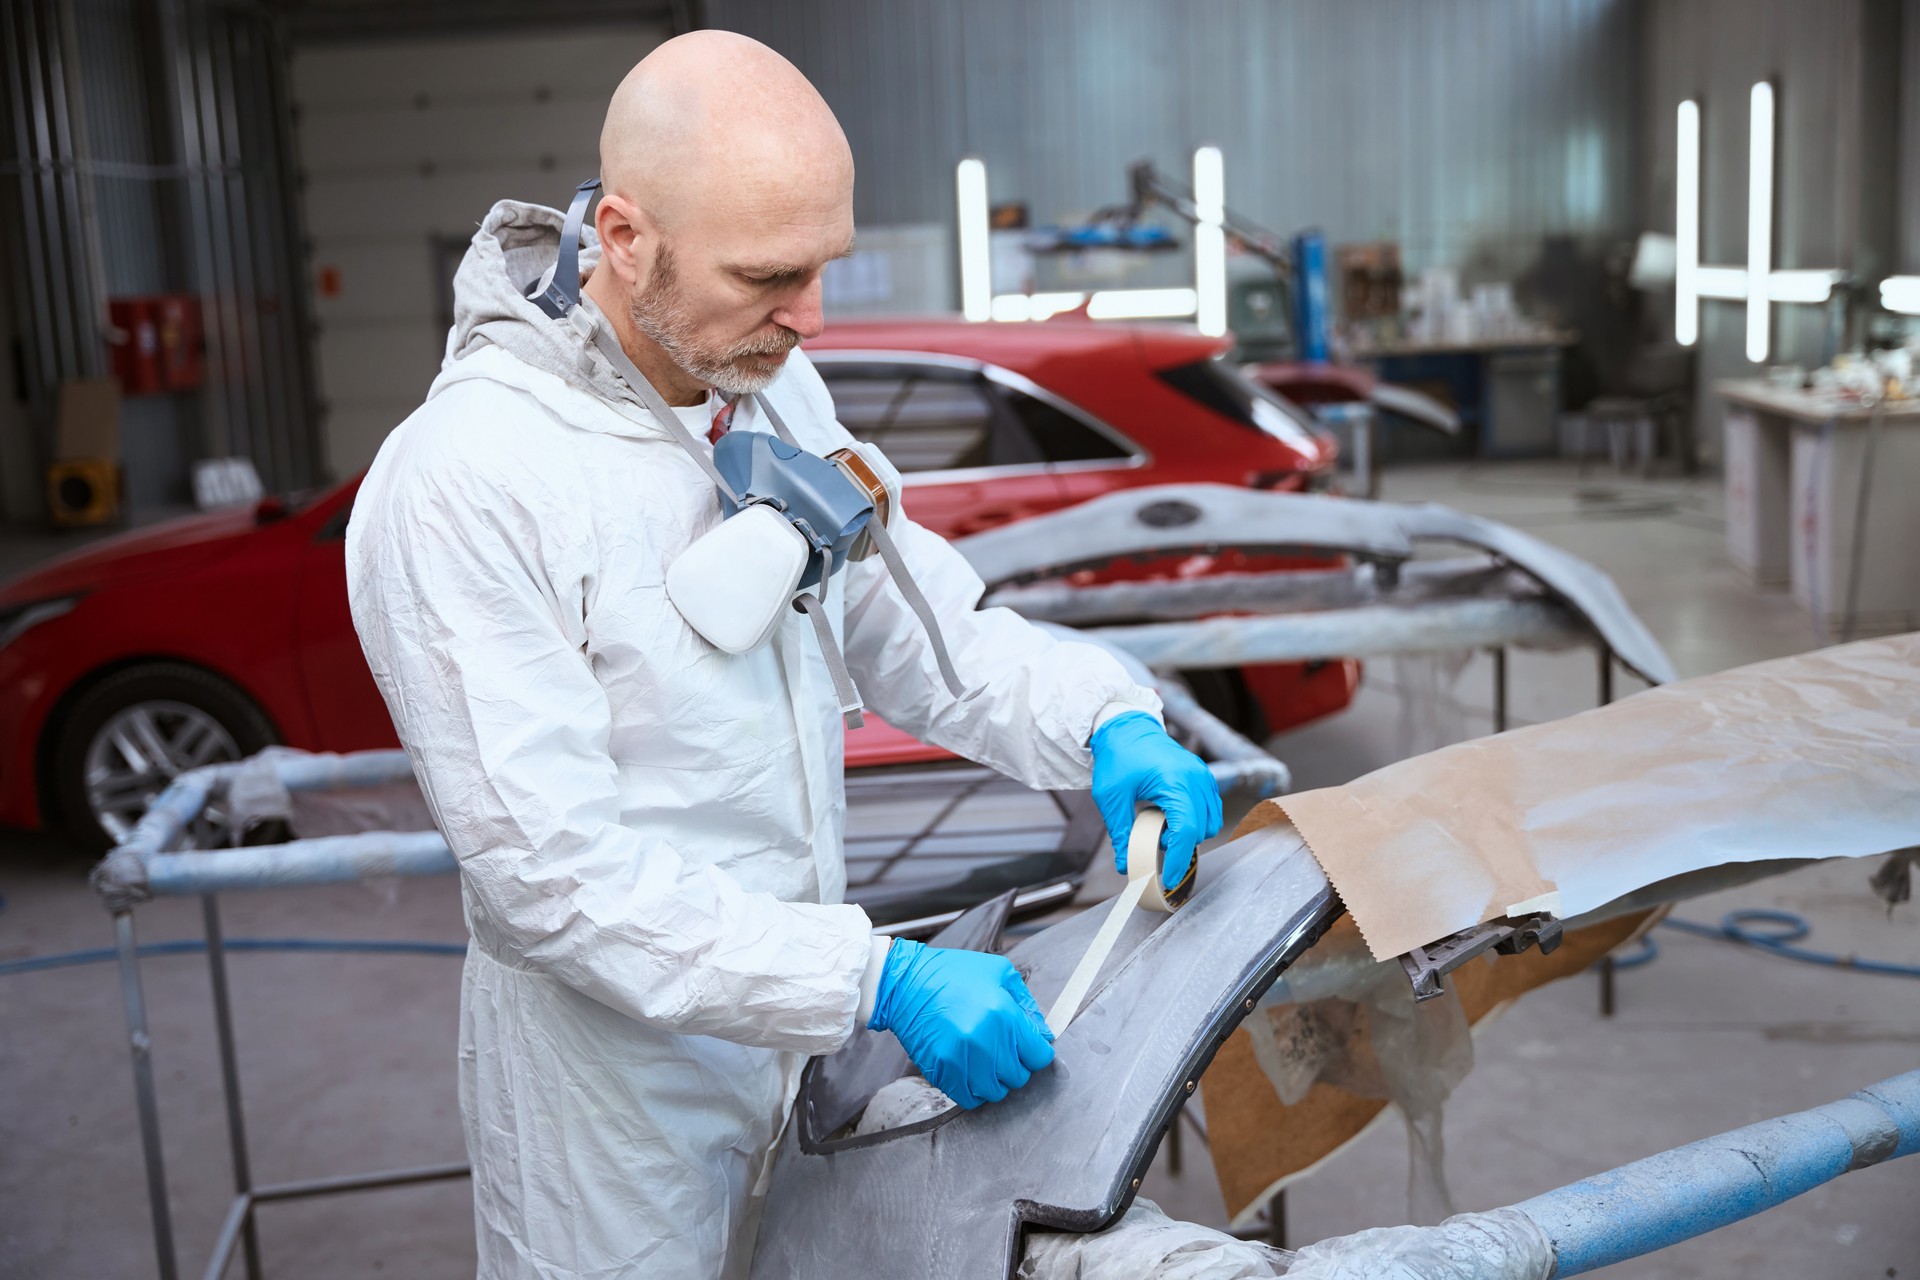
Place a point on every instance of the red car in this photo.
(207, 638)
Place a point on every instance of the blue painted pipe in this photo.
(339, 772)
(327, 860)
(1650, 1204)
(1262, 778)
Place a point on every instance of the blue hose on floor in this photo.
(197, 946)
(1773, 932)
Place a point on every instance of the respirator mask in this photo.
(790, 518)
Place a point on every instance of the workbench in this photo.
(1506, 390)
(1799, 465)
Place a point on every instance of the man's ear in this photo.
(627, 239)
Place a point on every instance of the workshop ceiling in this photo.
(326, 20)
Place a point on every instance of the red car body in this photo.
(257, 596)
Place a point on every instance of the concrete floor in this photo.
(348, 1060)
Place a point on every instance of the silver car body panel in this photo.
(947, 1198)
(1168, 520)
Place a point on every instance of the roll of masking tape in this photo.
(1146, 862)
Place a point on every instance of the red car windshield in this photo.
(1223, 388)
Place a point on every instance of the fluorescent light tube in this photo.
(1141, 304)
(1759, 220)
(1010, 307)
(1210, 241)
(1034, 306)
(1043, 306)
(976, 266)
(1902, 294)
(1801, 286)
(1686, 226)
(1726, 283)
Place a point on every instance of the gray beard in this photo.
(658, 312)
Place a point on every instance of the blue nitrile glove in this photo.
(1136, 763)
(965, 1018)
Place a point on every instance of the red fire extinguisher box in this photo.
(157, 345)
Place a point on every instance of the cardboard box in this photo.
(87, 423)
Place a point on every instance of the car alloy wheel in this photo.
(141, 748)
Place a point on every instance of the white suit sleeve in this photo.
(472, 608)
(1039, 699)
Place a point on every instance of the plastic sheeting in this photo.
(908, 1100)
(1145, 1244)
(256, 795)
(1340, 1018)
(1431, 716)
(1814, 755)
(1148, 1245)
(1260, 1143)
(1504, 1244)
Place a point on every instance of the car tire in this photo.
(184, 713)
(1226, 695)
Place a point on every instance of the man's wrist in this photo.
(870, 979)
(1120, 707)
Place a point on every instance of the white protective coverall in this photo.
(649, 830)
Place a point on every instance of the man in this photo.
(649, 829)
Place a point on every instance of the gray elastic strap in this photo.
(895, 566)
(843, 689)
(609, 346)
(810, 604)
(826, 571)
(883, 541)
(773, 416)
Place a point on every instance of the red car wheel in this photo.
(125, 738)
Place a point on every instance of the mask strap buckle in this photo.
(562, 293)
(897, 568)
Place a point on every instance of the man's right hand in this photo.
(965, 1018)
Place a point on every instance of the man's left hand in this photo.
(1136, 763)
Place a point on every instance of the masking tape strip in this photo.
(1145, 861)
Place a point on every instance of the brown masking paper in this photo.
(1816, 755)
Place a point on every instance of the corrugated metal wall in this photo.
(147, 156)
(1909, 209)
(1465, 131)
(126, 144)
(1831, 159)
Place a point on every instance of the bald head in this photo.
(711, 116)
(727, 188)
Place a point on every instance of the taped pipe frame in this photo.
(1309, 615)
(1648, 1205)
(159, 860)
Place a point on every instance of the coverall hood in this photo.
(511, 255)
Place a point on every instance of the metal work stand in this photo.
(1606, 961)
(160, 859)
(164, 857)
(239, 1229)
